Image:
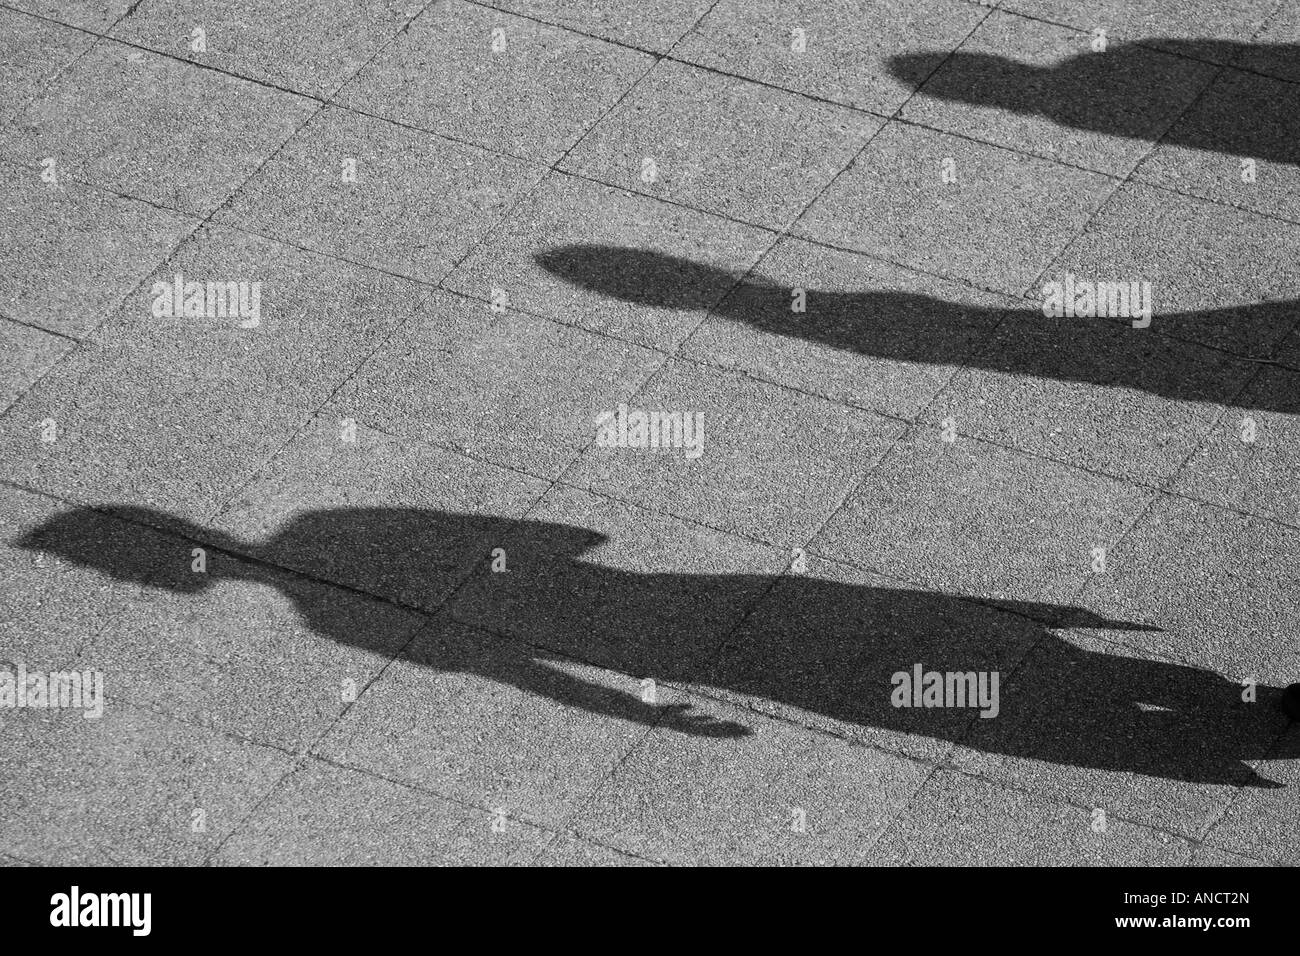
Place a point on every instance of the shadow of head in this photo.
(120, 541)
(1103, 92)
(639, 276)
(140, 545)
(1127, 89)
(913, 69)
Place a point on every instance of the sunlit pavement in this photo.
(331, 350)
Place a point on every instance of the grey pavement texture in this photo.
(317, 321)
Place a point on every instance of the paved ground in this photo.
(366, 584)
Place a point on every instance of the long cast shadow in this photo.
(810, 646)
(910, 327)
(1129, 91)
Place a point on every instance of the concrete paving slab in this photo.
(474, 715)
(1200, 28)
(53, 606)
(1273, 49)
(1210, 856)
(1153, 741)
(1041, 88)
(871, 334)
(842, 51)
(626, 656)
(1192, 252)
(503, 387)
(154, 127)
(618, 263)
(485, 840)
(129, 789)
(1060, 388)
(391, 517)
(1219, 585)
(601, 581)
(781, 795)
(331, 816)
(957, 820)
(94, 15)
(824, 648)
(718, 143)
(810, 454)
(1237, 145)
(1250, 460)
(311, 49)
(496, 80)
(972, 518)
(246, 649)
(410, 202)
(292, 327)
(33, 52)
(31, 352)
(75, 252)
(997, 225)
(1262, 823)
(569, 850)
(137, 435)
(654, 27)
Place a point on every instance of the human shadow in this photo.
(815, 646)
(921, 329)
(1129, 91)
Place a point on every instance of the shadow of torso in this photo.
(806, 647)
